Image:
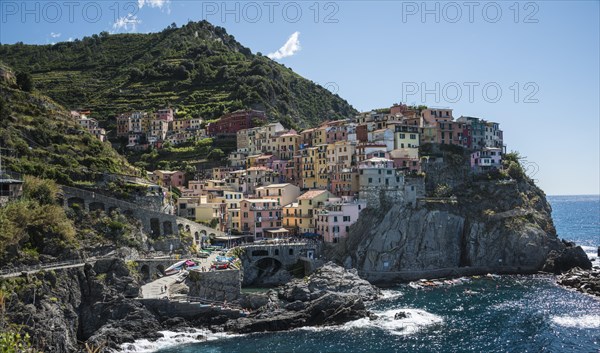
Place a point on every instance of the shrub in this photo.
(43, 191)
(442, 190)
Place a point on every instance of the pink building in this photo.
(333, 220)
(336, 133)
(168, 178)
(259, 217)
(486, 159)
(165, 114)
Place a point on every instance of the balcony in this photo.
(267, 208)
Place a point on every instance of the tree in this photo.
(216, 154)
(25, 81)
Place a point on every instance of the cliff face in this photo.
(490, 226)
(58, 309)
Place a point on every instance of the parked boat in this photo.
(175, 268)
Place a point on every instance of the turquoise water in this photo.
(508, 314)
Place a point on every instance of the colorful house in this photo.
(486, 159)
(258, 216)
(333, 220)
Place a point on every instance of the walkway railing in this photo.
(12, 271)
(190, 299)
(43, 266)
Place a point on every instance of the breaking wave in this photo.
(171, 339)
(583, 321)
(411, 321)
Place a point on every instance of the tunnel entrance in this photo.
(145, 271)
(267, 266)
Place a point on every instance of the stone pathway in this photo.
(153, 290)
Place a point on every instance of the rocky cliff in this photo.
(59, 309)
(486, 226)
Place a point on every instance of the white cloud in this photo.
(70, 39)
(155, 3)
(55, 35)
(128, 23)
(288, 49)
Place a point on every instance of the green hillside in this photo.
(39, 137)
(198, 67)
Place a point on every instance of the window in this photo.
(346, 218)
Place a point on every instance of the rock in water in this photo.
(566, 259)
(330, 278)
(331, 295)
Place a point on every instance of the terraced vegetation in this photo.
(198, 67)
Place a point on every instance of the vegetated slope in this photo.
(38, 137)
(198, 67)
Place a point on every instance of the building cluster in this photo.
(281, 182)
(144, 130)
(90, 124)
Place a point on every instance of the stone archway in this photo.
(167, 228)
(155, 226)
(160, 269)
(267, 266)
(96, 206)
(72, 201)
(145, 272)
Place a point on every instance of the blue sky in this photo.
(542, 57)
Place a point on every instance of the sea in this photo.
(485, 314)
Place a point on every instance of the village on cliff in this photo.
(283, 183)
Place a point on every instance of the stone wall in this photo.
(189, 311)
(215, 285)
(153, 222)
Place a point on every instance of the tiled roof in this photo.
(310, 194)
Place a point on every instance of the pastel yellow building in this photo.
(321, 167)
(304, 212)
(309, 161)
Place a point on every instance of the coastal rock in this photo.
(331, 295)
(487, 226)
(567, 258)
(329, 278)
(582, 280)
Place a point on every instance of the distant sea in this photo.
(507, 314)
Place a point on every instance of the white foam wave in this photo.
(171, 338)
(390, 294)
(583, 321)
(414, 320)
